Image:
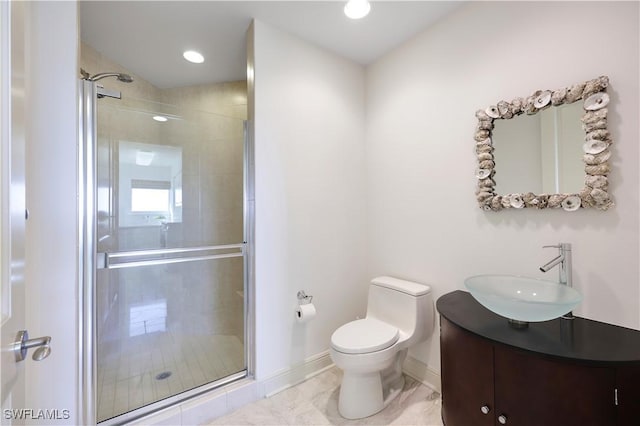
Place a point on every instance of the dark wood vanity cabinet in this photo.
(628, 396)
(534, 391)
(526, 389)
(578, 373)
(467, 366)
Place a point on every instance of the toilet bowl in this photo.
(371, 351)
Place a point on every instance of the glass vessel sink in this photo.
(521, 298)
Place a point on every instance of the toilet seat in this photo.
(364, 336)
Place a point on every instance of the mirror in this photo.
(549, 150)
(149, 184)
(541, 153)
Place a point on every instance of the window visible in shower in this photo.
(152, 199)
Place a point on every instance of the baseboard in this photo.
(422, 373)
(321, 362)
(298, 373)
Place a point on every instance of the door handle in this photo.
(165, 256)
(23, 344)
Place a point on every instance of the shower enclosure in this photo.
(165, 253)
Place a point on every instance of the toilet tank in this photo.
(404, 304)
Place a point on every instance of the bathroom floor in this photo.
(315, 402)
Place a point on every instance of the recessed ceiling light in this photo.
(193, 56)
(160, 118)
(356, 9)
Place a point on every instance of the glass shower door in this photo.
(170, 264)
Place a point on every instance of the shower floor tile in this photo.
(135, 373)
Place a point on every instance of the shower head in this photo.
(125, 78)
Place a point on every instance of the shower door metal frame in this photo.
(91, 260)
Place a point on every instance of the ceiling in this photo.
(148, 37)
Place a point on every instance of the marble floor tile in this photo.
(315, 402)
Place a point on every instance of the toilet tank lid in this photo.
(408, 287)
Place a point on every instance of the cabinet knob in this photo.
(485, 409)
(502, 419)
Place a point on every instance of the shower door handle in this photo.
(108, 260)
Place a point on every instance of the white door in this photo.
(39, 268)
(12, 125)
(45, 40)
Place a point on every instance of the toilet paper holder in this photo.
(303, 299)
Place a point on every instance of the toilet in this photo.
(371, 351)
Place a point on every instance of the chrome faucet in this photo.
(564, 261)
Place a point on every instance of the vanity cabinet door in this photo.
(628, 385)
(467, 377)
(533, 391)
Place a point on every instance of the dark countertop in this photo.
(579, 339)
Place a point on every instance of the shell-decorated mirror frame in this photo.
(596, 149)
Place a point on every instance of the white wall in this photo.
(52, 230)
(310, 195)
(424, 223)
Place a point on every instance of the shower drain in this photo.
(163, 375)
